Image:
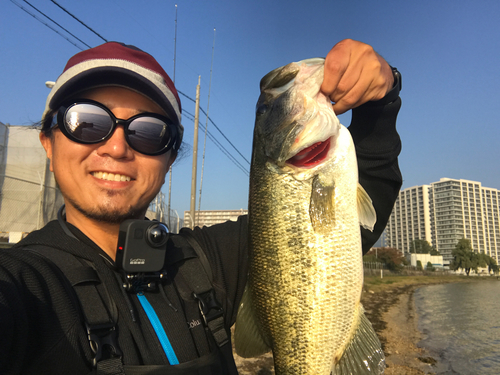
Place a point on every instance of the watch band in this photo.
(398, 79)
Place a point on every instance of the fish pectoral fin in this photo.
(322, 207)
(366, 212)
(248, 339)
(363, 354)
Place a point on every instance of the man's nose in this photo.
(116, 146)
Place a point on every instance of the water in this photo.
(461, 326)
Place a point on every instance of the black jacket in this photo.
(41, 325)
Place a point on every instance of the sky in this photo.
(448, 52)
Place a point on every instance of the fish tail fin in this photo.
(248, 339)
(363, 355)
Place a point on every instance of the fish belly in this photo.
(306, 286)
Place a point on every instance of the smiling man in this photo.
(107, 182)
(112, 129)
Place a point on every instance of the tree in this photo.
(392, 258)
(490, 263)
(493, 267)
(419, 265)
(464, 257)
(371, 258)
(422, 247)
(434, 252)
(430, 267)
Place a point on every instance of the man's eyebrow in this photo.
(136, 111)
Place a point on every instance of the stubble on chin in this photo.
(108, 213)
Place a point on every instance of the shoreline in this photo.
(394, 318)
(390, 307)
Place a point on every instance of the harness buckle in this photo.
(100, 336)
(210, 308)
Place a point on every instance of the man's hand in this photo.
(355, 74)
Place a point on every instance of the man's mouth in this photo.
(311, 156)
(110, 176)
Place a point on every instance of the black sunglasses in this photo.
(89, 122)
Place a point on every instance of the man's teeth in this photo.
(110, 176)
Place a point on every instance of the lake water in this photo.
(461, 326)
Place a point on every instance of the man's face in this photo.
(108, 181)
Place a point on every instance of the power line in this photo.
(212, 138)
(43, 14)
(78, 20)
(190, 116)
(220, 131)
(46, 24)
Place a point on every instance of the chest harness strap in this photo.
(100, 314)
(197, 273)
(99, 311)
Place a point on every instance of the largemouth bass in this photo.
(305, 209)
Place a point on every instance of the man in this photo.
(111, 129)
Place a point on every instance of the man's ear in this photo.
(46, 142)
(172, 160)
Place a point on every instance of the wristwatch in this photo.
(398, 79)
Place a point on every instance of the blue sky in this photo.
(447, 51)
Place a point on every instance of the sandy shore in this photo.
(390, 307)
(393, 316)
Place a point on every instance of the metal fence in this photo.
(374, 266)
(158, 211)
(26, 205)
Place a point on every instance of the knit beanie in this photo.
(115, 64)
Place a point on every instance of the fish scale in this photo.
(303, 296)
(309, 271)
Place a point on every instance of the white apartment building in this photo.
(208, 218)
(444, 212)
(410, 218)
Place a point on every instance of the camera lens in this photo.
(157, 235)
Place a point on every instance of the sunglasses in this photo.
(90, 122)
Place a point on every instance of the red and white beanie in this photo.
(115, 64)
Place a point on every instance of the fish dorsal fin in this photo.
(248, 339)
(322, 207)
(363, 354)
(366, 212)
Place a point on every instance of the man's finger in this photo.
(336, 63)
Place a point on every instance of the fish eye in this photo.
(261, 109)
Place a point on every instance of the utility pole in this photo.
(195, 154)
(206, 126)
(173, 79)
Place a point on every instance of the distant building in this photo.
(436, 260)
(207, 218)
(444, 212)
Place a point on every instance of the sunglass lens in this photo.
(87, 122)
(148, 135)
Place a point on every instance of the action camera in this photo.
(142, 245)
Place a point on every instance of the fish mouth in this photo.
(311, 156)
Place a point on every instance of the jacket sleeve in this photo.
(373, 129)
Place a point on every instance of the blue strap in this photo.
(160, 332)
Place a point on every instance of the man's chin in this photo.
(110, 215)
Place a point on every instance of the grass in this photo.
(377, 284)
